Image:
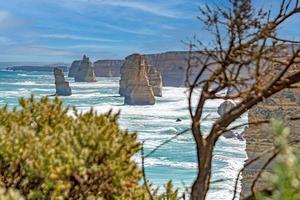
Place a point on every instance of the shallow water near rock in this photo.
(154, 125)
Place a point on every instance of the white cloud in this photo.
(147, 7)
(130, 30)
(158, 9)
(75, 37)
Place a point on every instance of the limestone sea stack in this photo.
(134, 83)
(85, 72)
(61, 85)
(155, 80)
(74, 68)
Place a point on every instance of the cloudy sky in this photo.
(62, 30)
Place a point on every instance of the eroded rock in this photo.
(134, 83)
(85, 72)
(61, 85)
(225, 107)
(155, 80)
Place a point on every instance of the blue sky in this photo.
(63, 30)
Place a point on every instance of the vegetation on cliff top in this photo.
(46, 153)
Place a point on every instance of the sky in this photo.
(64, 30)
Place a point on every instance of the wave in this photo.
(166, 163)
(155, 124)
(26, 83)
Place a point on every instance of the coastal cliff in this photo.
(85, 72)
(134, 83)
(171, 65)
(102, 68)
(61, 85)
(108, 68)
(259, 138)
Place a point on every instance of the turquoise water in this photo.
(154, 124)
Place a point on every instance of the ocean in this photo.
(155, 124)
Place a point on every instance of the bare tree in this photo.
(246, 58)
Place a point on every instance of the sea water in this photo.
(155, 124)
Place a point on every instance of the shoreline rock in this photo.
(225, 107)
(61, 85)
(155, 80)
(74, 68)
(85, 72)
(134, 83)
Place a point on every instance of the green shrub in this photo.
(284, 181)
(49, 152)
(10, 195)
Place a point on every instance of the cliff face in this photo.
(134, 83)
(108, 68)
(61, 85)
(102, 68)
(85, 72)
(171, 65)
(260, 138)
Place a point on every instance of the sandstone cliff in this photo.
(171, 65)
(108, 68)
(102, 68)
(85, 72)
(260, 138)
(134, 83)
(61, 85)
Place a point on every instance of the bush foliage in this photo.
(49, 152)
(284, 181)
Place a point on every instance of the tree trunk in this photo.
(201, 184)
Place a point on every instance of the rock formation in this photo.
(171, 65)
(155, 80)
(134, 83)
(225, 107)
(85, 72)
(260, 138)
(102, 68)
(74, 68)
(61, 85)
(108, 68)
